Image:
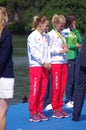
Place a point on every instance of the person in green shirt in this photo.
(73, 40)
(80, 90)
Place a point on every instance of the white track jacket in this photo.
(38, 49)
(55, 47)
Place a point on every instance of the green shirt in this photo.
(79, 37)
(71, 41)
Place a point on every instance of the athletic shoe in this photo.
(35, 118)
(42, 116)
(64, 113)
(69, 104)
(57, 114)
(72, 102)
(48, 107)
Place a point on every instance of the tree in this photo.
(77, 7)
(26, 9)
(3, 2)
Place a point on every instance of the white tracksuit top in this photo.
(55, 47)
(38, 49)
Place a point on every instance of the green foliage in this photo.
(3, 2)
(28, 17)
(26, 9)
(17, 27)
(77, 7)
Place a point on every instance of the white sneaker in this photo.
(72, 102)
(48, 107)
(69, 104)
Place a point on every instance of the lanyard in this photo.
(59, 35)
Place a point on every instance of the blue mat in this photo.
(18, 119)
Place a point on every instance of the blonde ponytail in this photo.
(35, 22)
(3, 13)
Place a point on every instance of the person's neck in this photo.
(56, 29)
(39, 30)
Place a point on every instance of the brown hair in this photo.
(69, 20)
(37, 20)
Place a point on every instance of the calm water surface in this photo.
(21, 75)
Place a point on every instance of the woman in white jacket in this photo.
(39, 63)
(59, 66)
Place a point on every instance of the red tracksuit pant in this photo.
(38, 77)
(59, 73)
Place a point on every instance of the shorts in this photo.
(6, 87)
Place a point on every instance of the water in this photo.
(21, 75)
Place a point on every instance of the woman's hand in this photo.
(64, 45)
(78, 45)
(47, 65)
(65, 48)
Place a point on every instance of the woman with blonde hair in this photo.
(39, 64)
(59, 66)
(6, 68)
